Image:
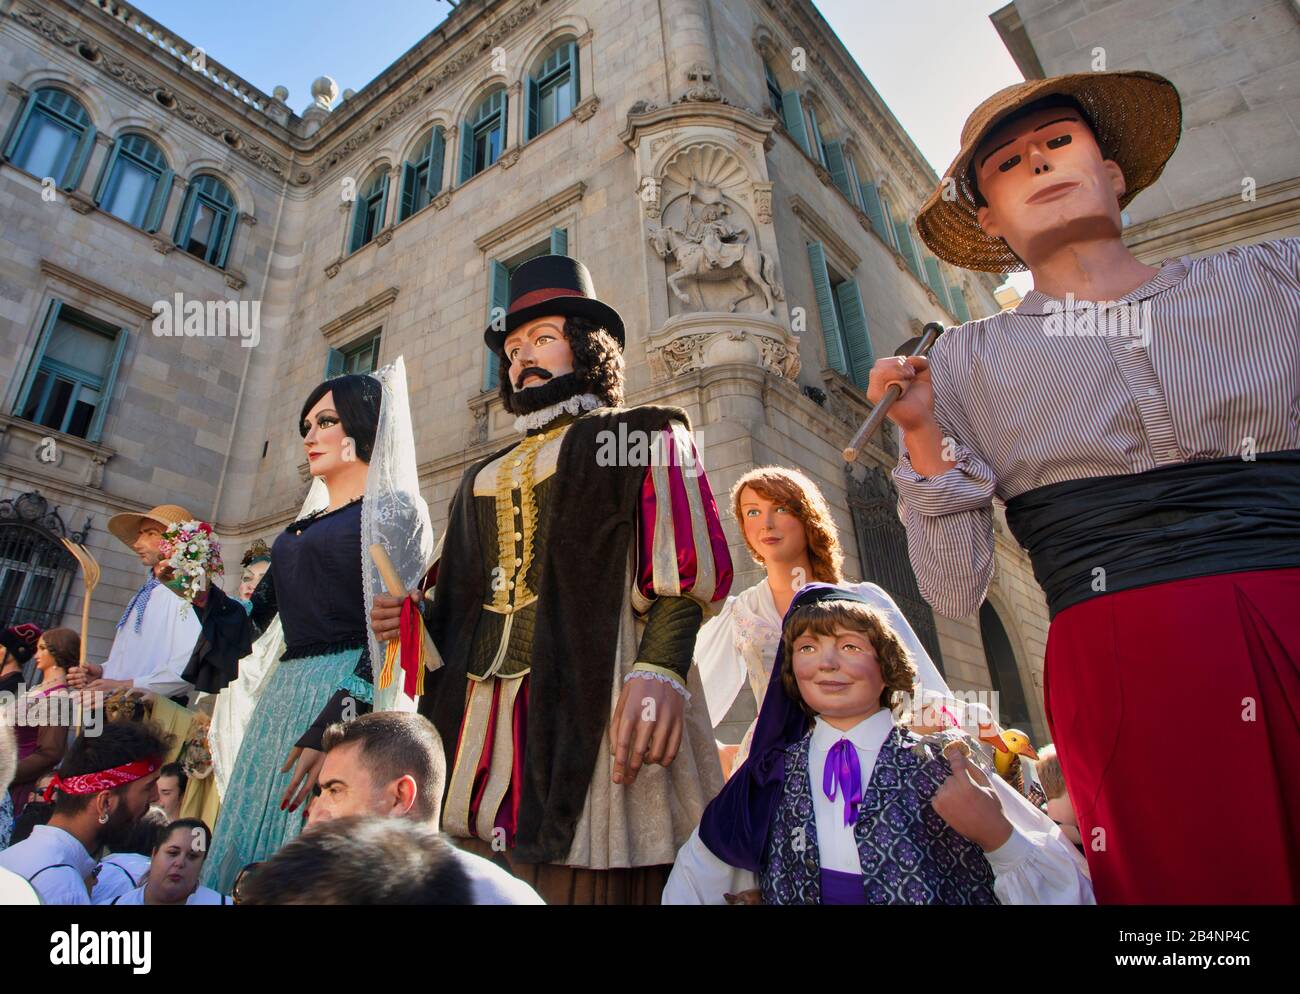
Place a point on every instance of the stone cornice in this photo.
(551, 205)
(695, 114)
(362, 312)
(879, 123)
(1217, 223)
(818, 226)
(448, 70)
(128, 74)
(97, 289)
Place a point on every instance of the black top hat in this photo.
(552, 284)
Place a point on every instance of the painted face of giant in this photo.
(1046, 184)
(324, 438)
(838, 675)
(538, 352)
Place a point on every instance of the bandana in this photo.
(138, 603)
(93, 783)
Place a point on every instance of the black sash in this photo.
(1172, 523)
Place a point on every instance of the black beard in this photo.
(117, 832)
(551, 392)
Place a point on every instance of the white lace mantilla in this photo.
(570, 405)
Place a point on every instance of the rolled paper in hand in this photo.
(387, 571)
(417, 638)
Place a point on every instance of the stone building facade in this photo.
(658, 140)
(1235, 177)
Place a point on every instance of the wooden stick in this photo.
(90, 574)
(433, 659)
(929, 335)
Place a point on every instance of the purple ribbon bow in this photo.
(843, 773)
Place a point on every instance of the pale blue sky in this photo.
(931, 61)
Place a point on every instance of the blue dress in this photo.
(314, 584)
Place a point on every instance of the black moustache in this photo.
(539, 371)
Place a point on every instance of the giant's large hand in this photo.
(967, 802)
(646, 727)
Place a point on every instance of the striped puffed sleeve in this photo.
(683, 570)
(949, 518)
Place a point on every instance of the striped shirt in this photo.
(1202, 362)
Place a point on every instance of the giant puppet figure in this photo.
(577, 566)
(1142, 426)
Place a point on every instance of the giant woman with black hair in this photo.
(318, 587)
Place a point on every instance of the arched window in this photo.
(422, 175)
(369, 211)
(483, 135)
(882, 550)
(51, 136)
(135, 182)
(773, 90)
(36, 571)
(207, 220)
(816, 143)
(1013, 710)
(553, 89)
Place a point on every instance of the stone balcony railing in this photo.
(180, 49)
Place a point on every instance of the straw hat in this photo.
(1136, 116)
(127, 526)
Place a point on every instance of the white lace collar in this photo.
(570, 405)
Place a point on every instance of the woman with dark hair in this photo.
(42, 738)
(788, 528)
(319, 586)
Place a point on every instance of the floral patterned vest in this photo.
(909, 854)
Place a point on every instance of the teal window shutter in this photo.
(958, 299)
(831, 336)
(857, 339)
(855, 185)
(437, 153)
(18, 125)
(185, 219)
(383, 202)
(335, 364)
(106, 173)
(406, 192)
(466, 151)
(935, 279)
(106, 393)
(838, 166)
(792, 111)
(906, 246)
(815, 136)
(572, 56)
(559, 241)
(227, 236)
(153, 217)
(875, 211)
(41, 343)
(359, 212)
(498, 301)
(534, 109)
(80, 157)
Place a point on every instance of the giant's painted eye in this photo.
(1010, 164)
(1058, 141)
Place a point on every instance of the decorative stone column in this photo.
(688, 42)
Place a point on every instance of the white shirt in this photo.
(1034, 866)
(155, 658)
(117, 874)
(493, 885)
(58, 862)
(15, 890)
(201, 895)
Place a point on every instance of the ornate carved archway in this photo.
(882, 550)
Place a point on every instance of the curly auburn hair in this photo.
(825, 618)
(597, 362)
(792, 489)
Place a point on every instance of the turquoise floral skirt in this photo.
(251, 825)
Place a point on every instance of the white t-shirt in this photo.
(54, 863)
(154, 658)
(201, 895)
(116, 874)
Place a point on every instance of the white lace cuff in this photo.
(662, 677)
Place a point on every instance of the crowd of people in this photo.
(524, 711)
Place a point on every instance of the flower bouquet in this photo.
(194, 554)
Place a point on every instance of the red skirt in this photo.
(1175, 710)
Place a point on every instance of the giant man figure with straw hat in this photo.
(1142, 425)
